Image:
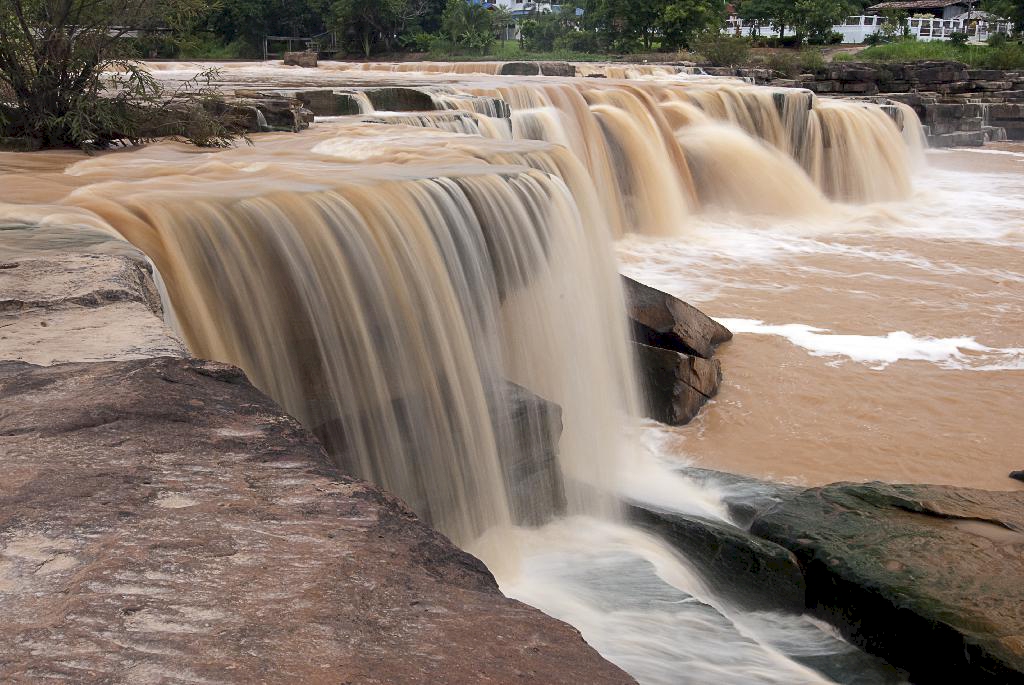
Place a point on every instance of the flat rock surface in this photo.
(929, 577)
(161, 521)
(83, 307)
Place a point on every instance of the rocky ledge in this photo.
(163, 521)
(926, 576)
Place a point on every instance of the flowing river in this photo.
(384, 275)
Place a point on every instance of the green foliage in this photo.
(958, 38)
(779, 13)
(1007, 56)
(541, 32)
(1007, 9)
(815, 18)
(895, 25)
(720, 50)
(471, 27)
(681, 22)
(71, 84)
(374, 25)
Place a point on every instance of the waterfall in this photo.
(389, 316)
(395, 280)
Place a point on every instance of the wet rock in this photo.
(928, 577)
(528, 434)
(271, 113)
(755, 574)
(675, 386)
(300, 59)
(661, 320)
(557, 69)
(87, 307)
(400, 99)
(520, 69)
(162, 520)
(328, 103)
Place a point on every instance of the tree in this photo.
(71, 84)
(540, 32)
(815, 18)
(1006, 9)
(469, 26)
(376, 23)
(778, 13)
(681, 22)
(247, 22)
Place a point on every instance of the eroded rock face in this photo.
(675, 386)
(86, 307)
(661, 320)
(163, 521)
(928, 577)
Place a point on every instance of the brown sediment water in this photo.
(383, 275)
(914, 373)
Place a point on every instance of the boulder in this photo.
(84, 307)
(300, 59)
(520, 69)
(675, 386)
(161, 520)
(661, 320)
(928, 577)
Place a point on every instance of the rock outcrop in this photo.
(163, 521)
(661, 320)
(958, 106)
(86, 307)
(537, 69)
(306, 59)
(928, 577)
(675, 385)
(673, 343)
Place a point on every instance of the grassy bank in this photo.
(1005, 56)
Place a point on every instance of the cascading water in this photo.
(385, 277)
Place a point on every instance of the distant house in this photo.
(940, 9)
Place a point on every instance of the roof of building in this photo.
(915, 4)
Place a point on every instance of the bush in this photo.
(419, 42)
(810, 61)
(997, 40)
(958, 38)
(782, 63)
(830, 38)
(578, 41)
(73, 84)
(844, 57)
(440, 47)
(1007, 56)
(721, 51)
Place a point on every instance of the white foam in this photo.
(882, 350)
